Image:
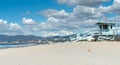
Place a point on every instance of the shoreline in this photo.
(8, 46)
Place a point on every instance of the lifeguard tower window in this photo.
(111, 27)
(105, 26)
(100, 27)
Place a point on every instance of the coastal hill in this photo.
(28, 39)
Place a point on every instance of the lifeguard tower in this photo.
(105, 31)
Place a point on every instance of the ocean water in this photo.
(3, 46)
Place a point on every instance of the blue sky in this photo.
(53, 17)
(15, 10)
(108, 3)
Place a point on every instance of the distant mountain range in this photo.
(5, 39)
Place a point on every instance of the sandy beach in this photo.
(75, 53)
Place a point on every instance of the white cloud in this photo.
(47, 34)
(52, 19)
(54, 13)
(77, 19)
(28, 21)
(3, 25)
(9, 29)
(83, 12)
(3, 21)
(64, 32)
(111, 9)
(74, 21)
(14, 26)
(82, 2)
(56, 33)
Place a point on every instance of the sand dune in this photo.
(80, 53)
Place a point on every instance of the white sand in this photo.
(81, 53)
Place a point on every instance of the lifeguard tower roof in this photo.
(105, 23)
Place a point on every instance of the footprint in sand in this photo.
(89, 50)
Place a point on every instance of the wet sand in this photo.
(75, 53)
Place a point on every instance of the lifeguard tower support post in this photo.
(106, 31)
